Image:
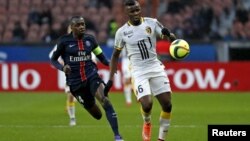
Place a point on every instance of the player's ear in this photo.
(69, 29)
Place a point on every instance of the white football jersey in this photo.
(140, 44)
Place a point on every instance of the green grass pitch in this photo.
(42, 117)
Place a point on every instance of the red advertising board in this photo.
(201, 76)
(206, 76)
(28, 77)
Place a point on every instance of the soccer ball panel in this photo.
(179, 49)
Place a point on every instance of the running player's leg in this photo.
(126, 76)
(163, 95)
(94, 111)
(127, 90)
(143, 94)
(107, 106)
(165, 116)
(146, 107)
(85, 98)
(70, 106)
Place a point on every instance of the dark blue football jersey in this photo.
(77, 54)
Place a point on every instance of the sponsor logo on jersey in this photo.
(87, 43)
(126, 33)
(82, 56)
(72, 45)
(130, 36)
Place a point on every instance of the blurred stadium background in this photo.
(211, 86)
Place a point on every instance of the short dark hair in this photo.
(74, 18)
(129, 2)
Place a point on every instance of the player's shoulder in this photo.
(89, 36)
(90, 39)
(65, 37)
(149, 20)
(123, 29)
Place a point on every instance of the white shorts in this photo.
(151, 84)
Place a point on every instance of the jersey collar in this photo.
(130, 24)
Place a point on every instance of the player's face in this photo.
(78, 26)
(134, 13)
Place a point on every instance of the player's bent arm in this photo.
(163, 31)
(51, 53)
(166, 33)
(100, 55)
(54, 58)
(114, 62)
(54, 61)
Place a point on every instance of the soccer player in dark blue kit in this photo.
(81, 72)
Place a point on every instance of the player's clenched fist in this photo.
(172, 37)
(108, 87)
(67, 69)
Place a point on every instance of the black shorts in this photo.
(85, 93)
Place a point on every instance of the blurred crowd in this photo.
(35, 21)
(208, 19)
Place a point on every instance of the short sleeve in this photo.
(158, 27)
(119, 42)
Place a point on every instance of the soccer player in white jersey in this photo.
(126, 78)
(138, 37)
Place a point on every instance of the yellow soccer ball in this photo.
(179, 49)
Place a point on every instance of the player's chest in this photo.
(78, 48)
(134, 34)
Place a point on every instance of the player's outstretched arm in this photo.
(166, 32)
(114, 62)
(102, 58)
(113, 69)
(100, 55)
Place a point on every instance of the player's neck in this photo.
(77, 36)
(135, 23)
